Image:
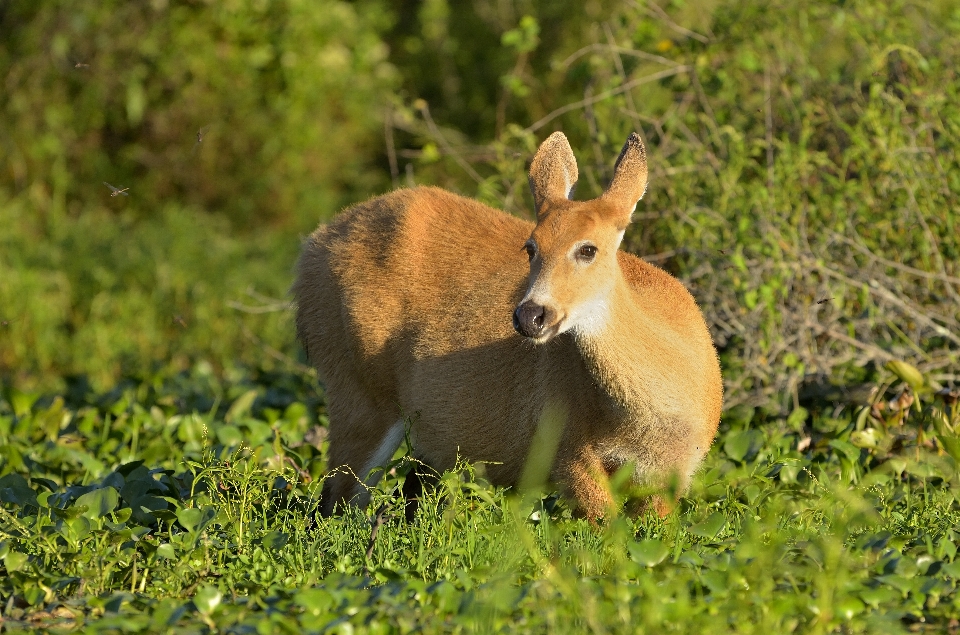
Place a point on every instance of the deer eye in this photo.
(531, 250)
(587, 253)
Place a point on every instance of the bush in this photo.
(287, 96)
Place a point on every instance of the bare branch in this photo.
(660, 13)
(650, 57)
(606, 95)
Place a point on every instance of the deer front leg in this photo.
(584, 479)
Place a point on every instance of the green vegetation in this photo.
(159, 451)
(189, 502)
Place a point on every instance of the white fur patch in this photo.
(591, 317)
(384, 452)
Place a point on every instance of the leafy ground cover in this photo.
(187, 502)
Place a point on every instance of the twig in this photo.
(270, 308)
(870, 348)
(594, 129)
(277, 355)
(768, 122)
(606, 95)
(618, 62)
(270, 304)
(931, 239)
(375, 527)
(660, 13)
(304, 475)
(425, 111)
(663, 255)
(624, 51)
(881, 291)
(895, 265)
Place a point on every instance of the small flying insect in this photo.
(200, 133)
(760, 109)
(115, 191)
(824, 301)
(81, 65)
(179, 320)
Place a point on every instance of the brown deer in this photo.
(404, 307)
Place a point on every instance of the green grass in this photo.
(183, 502)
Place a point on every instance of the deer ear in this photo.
(553, 172)
(629, 177)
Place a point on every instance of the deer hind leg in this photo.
(363, 435)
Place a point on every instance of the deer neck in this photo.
(615, 354)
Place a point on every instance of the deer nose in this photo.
(528, 319)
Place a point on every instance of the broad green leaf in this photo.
(850, 451)
(196, 520)
(22, 401)
(275, 540)
(229, 435)
(797, 418)
(648, 553)
(848, 607)
(923, 469)
(898, 582)
(207, 599)
(866, 438)
(952, 569)
(946, 549)
(99, 502)
(241, 407)
(316, 600)
(716, 581)
(127, 468)
(951, 444)
(738, 445)
(34, 595)
(878, 595)
(14, 489)
(907, 373)
(752, 492)
(710, 527)
(74, 529)
(15, 561)
(167, 551)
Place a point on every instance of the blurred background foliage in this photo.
(804, 174)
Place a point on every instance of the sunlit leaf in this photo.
(196, 520)
(167, 551)
(98, 502)
(848, 450)
(207, 599)
(648, 553)
(908, 373)
(15, 561)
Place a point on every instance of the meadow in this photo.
(162, 441)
